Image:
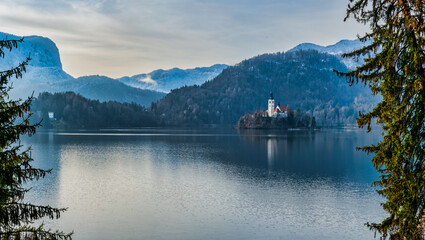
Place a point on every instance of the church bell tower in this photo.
(270, 110)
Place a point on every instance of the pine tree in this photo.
(395, 69)
(17, 216)
(313, 123)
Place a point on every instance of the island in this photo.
(278, 117)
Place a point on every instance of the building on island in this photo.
(279, 111)
(271, 105)
(51, 115)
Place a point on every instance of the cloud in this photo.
(128, 37)
(148, 80)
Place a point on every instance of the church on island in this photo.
(275, 117)
(279, 111)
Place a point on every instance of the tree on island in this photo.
(313, 123)
(16, 216)
(396, 71)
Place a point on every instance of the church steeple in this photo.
(270, 108)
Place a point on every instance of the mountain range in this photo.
(301, 78)
(166, 80)
(45, 74)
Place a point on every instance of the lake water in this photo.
(208, 184)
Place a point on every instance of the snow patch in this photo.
(341, 47)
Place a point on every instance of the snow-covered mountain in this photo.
(341, 47)
(165, 80)
(43, 53)
(45, 74)
(44, 69)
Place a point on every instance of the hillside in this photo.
(337, 49)
(74, 111)
(106, 89)
(301, 79)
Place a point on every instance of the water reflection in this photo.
(199, 184)
(271, 152)
(328, 153)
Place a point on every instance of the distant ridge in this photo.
(337, 49)
(166, 80)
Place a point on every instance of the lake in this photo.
(208, 184)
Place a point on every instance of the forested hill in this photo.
(302, 79)
(77, 112)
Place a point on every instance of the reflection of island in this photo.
(278, 149)
(272, 151)
(266, 146)
(279, 117)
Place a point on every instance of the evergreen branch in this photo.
(9, 45)
(28, 232)
(15, 213)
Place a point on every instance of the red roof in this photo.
(280, 109)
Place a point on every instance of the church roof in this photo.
(280, 109)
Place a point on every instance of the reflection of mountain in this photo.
(199, 178)
(327, 153)
(45, 154)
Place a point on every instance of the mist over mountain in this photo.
(303, 79)
(166, 80)
(107, 89)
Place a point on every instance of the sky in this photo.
(126, 37)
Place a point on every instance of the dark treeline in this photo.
(295, 119)
(73, 111)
